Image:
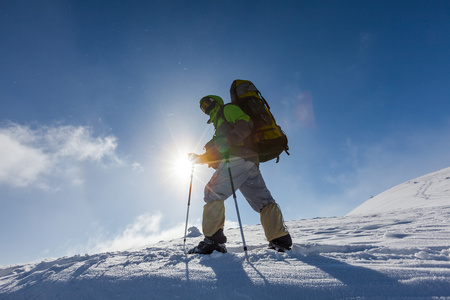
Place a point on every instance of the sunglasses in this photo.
(207, 105)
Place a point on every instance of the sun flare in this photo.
(182, 166)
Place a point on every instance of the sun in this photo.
(182, 166)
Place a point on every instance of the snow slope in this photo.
(431, 190)
(402, 254)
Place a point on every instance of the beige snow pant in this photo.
(248, 179)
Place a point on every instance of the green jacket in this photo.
(232, 135)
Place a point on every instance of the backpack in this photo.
(269, 140)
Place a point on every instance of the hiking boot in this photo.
(281, 244)
(208, 246)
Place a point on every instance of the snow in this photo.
(431, 190)
(394, 246)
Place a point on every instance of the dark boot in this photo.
(218, 237)
(211, 244)
(208, 246)
(281, 244)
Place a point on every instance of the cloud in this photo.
(137, 167)
(78, 143)
(145, 230)
(29, 156)
(20, 165)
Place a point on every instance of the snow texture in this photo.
(394, 246)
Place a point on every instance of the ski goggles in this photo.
(207, 104)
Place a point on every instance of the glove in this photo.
(195, 158)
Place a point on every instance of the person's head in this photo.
(208, 103)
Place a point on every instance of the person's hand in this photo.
(194, 158)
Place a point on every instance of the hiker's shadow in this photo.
(359, 281)
(230, 273)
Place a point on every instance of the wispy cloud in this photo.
(137, 167)
(20, 164)
(29, 156)
(145, 230)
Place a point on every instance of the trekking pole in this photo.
(188, 205)
(237, 209)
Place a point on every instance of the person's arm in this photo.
(242, 125)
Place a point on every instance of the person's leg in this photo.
(214, 220)
(219, 186)
(260, 199)
(217, 190)
(255, 190)
(272, 222)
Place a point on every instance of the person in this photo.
(230, 141)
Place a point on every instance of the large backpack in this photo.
(268, 138)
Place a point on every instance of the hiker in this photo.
(232, 127)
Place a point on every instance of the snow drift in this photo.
(369, 254)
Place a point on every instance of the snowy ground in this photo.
(391, 255)
(402, 254)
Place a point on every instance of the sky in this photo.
(99, 106)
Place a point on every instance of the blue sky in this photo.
(99, 99)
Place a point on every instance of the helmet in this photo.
(207, 103)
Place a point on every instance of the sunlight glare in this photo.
(182, 166)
